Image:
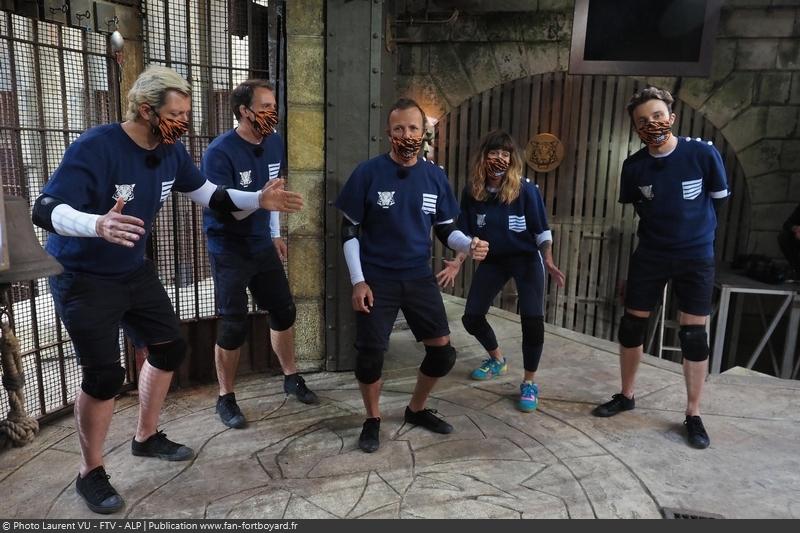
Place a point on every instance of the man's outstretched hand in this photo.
(117, 228)
(274, 197)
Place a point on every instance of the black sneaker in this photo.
(698, 438)
(295, 384)
(98, 493)
(617, 404)
(158, 445)
(229, 411)
(369, 441)
(427, 418)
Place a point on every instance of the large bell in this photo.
(27, 259)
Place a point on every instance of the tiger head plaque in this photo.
(544, 152)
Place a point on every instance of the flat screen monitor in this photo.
(644, 37)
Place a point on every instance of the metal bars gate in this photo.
(55, 82)
(215, 45)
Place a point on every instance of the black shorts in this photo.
(422, 307)
(93, 309)
(692, 282)
(261, 272)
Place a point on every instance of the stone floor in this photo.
(298, 461)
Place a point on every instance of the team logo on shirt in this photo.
(125, 192)
(647, 191)
(245, 179)
(481, 220)
(692, 188)
(386, 199)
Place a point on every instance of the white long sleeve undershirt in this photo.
(70, 222)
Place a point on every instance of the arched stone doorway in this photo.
(594, 234)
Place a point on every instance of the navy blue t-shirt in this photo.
(673, 196)
(517, 228)
(236, 163)
(100, 166)
(396, 208)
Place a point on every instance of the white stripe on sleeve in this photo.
(543, 237)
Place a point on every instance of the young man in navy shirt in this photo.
(675, 184)
(245, 247)
(107, 282)
(389, 206)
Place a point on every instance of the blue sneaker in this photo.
(490, 368)
(528, 397)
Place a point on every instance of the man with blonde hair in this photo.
(107, 282)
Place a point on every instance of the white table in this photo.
(728, 283)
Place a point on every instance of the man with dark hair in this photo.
(390, 204)
(107, 281)
(675, 185)
(245, 247)
(647, 94)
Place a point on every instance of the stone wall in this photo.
(756, 104)
(442, 65)
(752, 94)
(305, 88)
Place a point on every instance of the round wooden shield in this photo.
(544, 152)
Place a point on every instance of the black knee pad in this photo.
(103, 382)
(632, 330)
(283, 319)
(167, 356)
(231, 332)
(369, 366)
(439, 360)
(532, 330)
(694, 343)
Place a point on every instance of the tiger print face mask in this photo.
(655, 133)
(406, 148)
(496, 166)
(169, 129)
(265, 122)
